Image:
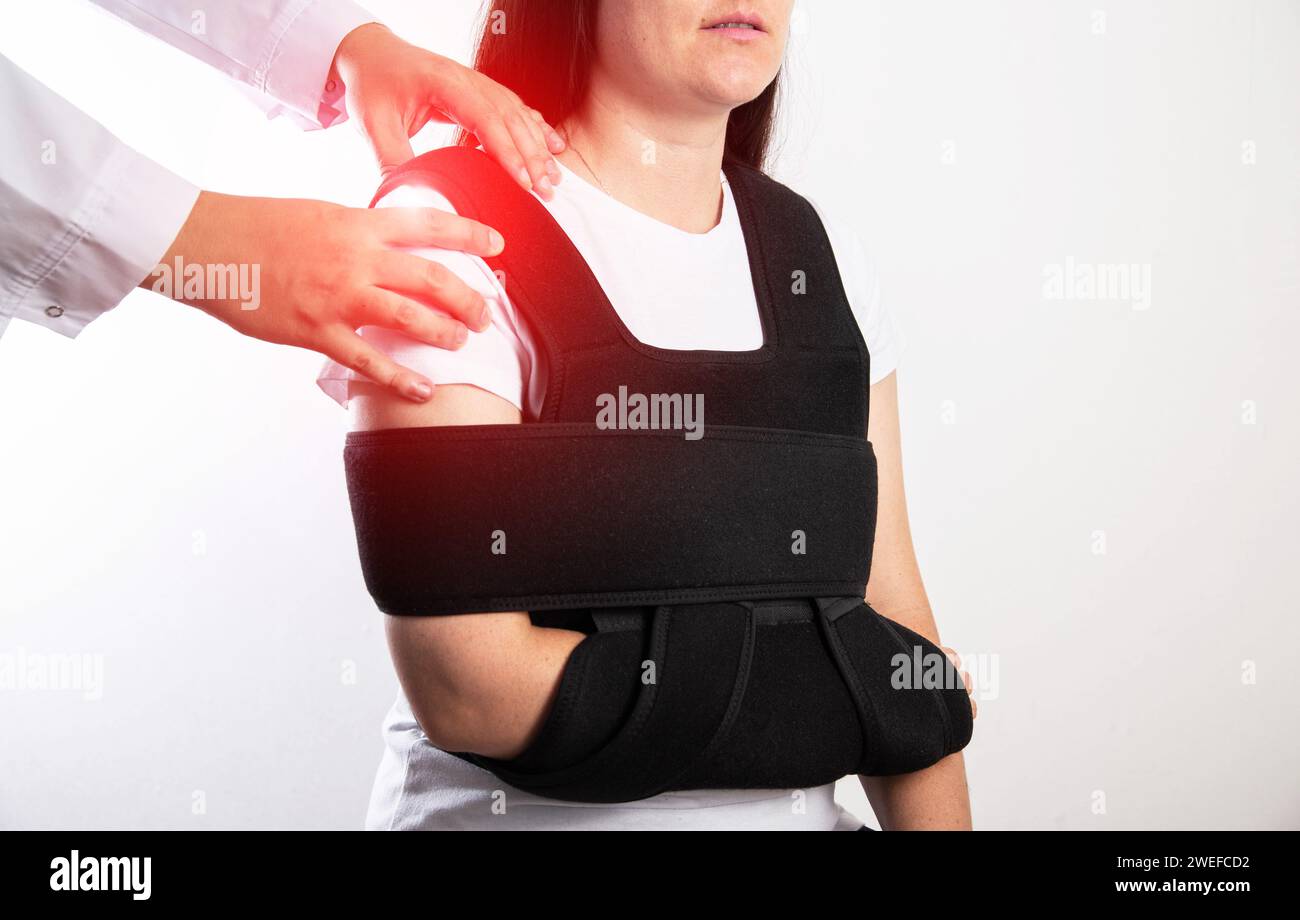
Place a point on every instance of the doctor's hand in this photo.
(321, 271)
(394, 88)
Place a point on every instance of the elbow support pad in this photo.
(760, 668)
(767, 695)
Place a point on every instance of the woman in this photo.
(653, 97)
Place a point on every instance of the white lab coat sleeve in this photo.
(83, 217)
(283, 49)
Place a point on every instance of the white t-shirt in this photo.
(672, 289)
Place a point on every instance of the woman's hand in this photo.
(394, 88)
(320, 271)
(965, 677)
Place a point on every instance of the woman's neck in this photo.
(665, 166)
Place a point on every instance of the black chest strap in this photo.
(548, 517)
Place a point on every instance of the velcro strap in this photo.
(483, 518)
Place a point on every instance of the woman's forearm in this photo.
(481, 683)
(932, 799)
(936, 797)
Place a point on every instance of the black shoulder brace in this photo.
(718, 566)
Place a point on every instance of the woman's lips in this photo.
(739, 31)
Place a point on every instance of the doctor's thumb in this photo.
(389, 143)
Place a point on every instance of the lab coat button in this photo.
(53, 311)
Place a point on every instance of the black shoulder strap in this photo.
(791, 261)
(791, 252)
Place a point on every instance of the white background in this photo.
(172, 498)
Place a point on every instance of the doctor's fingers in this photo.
(435, 228)
(513, 134)
(378, 307)
(344, 346)
(430, 283)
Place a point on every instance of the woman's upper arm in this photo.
(450, 666)
(451, 404)
(447, 665)
(895, 589)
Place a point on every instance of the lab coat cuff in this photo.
(298, 72)
(123, 226)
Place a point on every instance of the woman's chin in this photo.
(732, 87)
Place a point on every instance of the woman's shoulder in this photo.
(860, 276)
(492, 360)
(845, 242)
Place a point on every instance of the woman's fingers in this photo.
(435, 228)
(358, 355)
(433, 284)
(956, 663)
(965, 677)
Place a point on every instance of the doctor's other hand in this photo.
(393, 88)
(320, 271)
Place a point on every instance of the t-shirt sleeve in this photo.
(496, 360)
(884, 339)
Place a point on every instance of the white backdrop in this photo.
(1103, 489)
